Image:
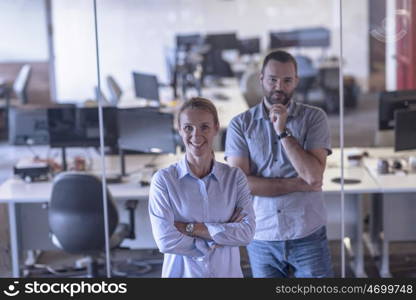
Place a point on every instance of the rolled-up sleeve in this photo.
(318, 135)
(239, 233)
(235, 143)
(166, 235)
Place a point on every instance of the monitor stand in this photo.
(122, 162)
(64, 164)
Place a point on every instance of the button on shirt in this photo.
(178, 195)
(251, 134)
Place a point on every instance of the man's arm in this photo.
(310, 165)
(271, 187)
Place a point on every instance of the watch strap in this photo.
(284, 134)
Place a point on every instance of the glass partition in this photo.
(155, 56)
(379, 100)
(51, 175)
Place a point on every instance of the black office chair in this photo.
(76, 219)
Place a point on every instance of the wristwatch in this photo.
(190, 228)
(284, 134)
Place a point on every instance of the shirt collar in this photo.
(184, 169)
(259, 111)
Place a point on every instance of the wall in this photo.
(136, 35)
(23, 31)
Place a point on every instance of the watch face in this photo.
(189, 227)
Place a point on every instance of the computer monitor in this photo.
(79, 127)
(28, 126)
(249, 46)
(222, 41)
(146, 130)
(283, 39)
(146, 86)
(314, 37)
(308, 37)
(214, 64)
(186, 41)
(389, 102)
(405, 130)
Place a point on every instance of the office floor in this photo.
(403, 262)
(403, 258)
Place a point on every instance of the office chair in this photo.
(5, 93)
(307, 74)
(250, 86)
(21, 83)
(115, 90)
(76, 218)
(329, 81)
(19, 87)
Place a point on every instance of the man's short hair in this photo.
(280, 56)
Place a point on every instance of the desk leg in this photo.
(385, 263)
(13, 239)
(359, 260)
(354, 205)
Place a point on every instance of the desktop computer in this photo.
(79, 127)
(28, 126)
(405, 130)
(146, 86)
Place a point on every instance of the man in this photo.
(282, 147)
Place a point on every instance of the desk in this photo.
(396, 197)
(230, 107)
(353, 216)
(15, 191)
(227, 108)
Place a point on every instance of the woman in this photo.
(200, 209)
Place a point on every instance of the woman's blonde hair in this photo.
(199, 103)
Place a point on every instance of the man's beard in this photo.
(284, 98)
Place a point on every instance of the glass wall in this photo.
(377, 132)
(190, 48)
(132, 70)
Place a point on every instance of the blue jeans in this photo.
(306, 257)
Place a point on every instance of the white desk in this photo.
(392, 210)
(353, 215)
(227, 108)
(392, 207)
(15, 191)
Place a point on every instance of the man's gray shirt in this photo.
(251, 135)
